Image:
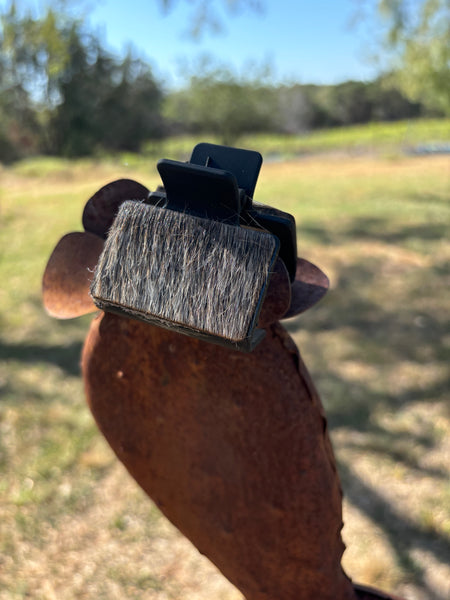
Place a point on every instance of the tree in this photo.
(218, 101)
(390, 104)
(418, 33)
(301, 108)
(104, 103)
(350, 103)
(35, 48)
(58, 82)
(18, 123)
(205, 14)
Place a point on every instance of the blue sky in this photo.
(302, 40)
(307, 41)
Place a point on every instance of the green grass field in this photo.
(72, 523)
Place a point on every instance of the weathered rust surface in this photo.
(67, 277)
(101, 209)
(232, 447)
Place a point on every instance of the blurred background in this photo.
(85, 78)
(349, 104)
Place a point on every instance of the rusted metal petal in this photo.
(232, 447)
(101, 209)
(310, 285)
(67, 277)
(278, 296)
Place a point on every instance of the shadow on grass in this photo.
(381, 335)
(397, 330)
(350, 406)
(403, 534)
(373, 229)
(62, 340)
(67, 357)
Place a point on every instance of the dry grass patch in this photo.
(73, 524)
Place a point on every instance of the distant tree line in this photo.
(229, 107)
(62, 93)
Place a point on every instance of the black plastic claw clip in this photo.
(197, 256)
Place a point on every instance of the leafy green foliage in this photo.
(207, 16)
(420, 35)
(62, 93)
(217, 101)
(306, 107)
(104, 104)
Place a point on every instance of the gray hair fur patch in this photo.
(184, 272)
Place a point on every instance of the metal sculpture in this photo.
(232, 446)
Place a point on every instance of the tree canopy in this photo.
(419, 33)
(417, 38)
(62, 92)
(206, 16)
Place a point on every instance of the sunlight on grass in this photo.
(72, 522)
